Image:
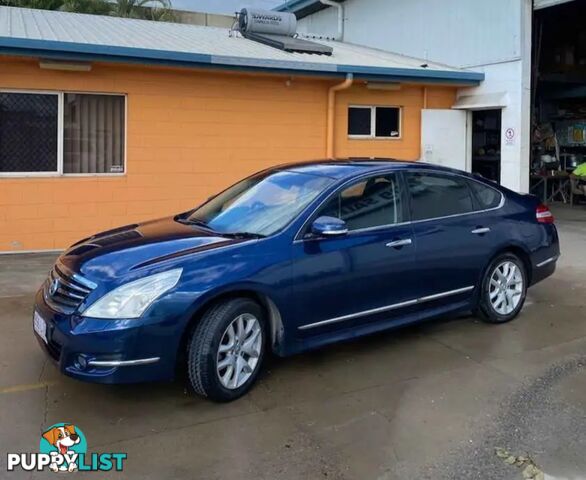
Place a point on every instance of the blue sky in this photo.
(222, 6)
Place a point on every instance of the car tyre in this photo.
(503, 289)
(223, 361)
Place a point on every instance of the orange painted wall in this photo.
(411, 100)
(190, 134)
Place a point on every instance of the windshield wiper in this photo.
(188, 221)
(243, 235)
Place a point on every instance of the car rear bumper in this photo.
(544, 269)
(107, 351)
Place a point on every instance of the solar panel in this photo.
(289, 44)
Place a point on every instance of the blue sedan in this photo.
(290, 259)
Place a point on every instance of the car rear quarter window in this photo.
(487, 197)
(436, 195)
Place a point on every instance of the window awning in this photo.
(482, 102)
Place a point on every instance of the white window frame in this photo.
(372, 135)
(61, 135)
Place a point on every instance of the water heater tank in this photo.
(252, 20)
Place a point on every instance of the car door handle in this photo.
(400, 243)
(480, 230)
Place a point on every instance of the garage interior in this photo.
(486, 144)
(558, 143)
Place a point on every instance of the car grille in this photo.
(64, 293)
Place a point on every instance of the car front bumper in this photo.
(109, 351)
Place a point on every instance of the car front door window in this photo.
(369, 203)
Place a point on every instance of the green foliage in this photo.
(96, 7)
(145, 9)
(158, 10)
(42, 4)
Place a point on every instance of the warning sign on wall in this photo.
(510, 136)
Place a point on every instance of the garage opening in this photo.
(558, 144)
(486, 144)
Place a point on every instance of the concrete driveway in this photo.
(432, 401)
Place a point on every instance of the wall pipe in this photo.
(332, 111)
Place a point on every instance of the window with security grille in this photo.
(62, 133)
(28, 132)
(93, 133)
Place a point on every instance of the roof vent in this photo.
(276, 29)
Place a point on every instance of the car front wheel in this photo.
(226, 350)
(503, 289)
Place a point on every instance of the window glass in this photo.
(387, 122)
(359, 121)
(487, 197)
(370, 203)
(262, 204)
(435, 195)
(93, 133)
(28, 132)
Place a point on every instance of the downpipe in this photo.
(331, 112)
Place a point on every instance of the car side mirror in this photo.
(328, 227)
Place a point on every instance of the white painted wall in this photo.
(457, 32)
(493, 36)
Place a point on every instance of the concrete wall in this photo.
(494, 37)
(190, 134)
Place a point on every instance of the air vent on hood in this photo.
(278, 30)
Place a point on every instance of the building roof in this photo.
(79, 37)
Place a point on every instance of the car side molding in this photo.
(387, 308)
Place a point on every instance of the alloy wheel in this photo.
(239, 351)
(505, 287)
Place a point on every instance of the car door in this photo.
(453, 237)
(341, 282)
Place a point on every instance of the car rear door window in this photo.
(435, 195)
(373, 202)
(486, 196)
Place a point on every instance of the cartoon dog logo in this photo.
(62, 438)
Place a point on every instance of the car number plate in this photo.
(40, 326)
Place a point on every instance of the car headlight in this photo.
(132, 299)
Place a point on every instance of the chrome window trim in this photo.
(501, 204)
(387, 308)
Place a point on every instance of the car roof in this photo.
(342, 168)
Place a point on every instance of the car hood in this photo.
(117, 252)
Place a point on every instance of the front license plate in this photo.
(40, 326)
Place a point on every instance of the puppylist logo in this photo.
(63, 448)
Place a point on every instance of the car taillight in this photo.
(543, 214)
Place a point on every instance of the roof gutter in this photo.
(331, 112)
(70, 51)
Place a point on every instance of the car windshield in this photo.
(260, 205)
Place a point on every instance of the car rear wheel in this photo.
(226, 350)
(503, 289)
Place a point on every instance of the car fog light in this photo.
(81, 362)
